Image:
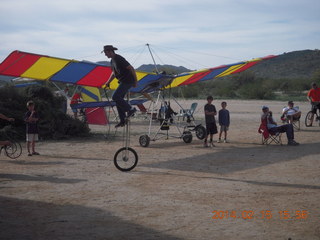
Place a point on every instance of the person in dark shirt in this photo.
(224, 121)
(126, 75)
(210, 112)
(32, 133)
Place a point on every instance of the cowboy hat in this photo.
(108, 48)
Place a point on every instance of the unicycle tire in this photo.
(125, 159)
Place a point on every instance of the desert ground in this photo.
(236, 190)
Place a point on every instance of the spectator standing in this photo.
(32, 132)
(211, 127)
(224, 121)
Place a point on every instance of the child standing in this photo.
(224, 121)
(31, 118)
(210, 112)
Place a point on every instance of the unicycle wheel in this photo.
(125, 159)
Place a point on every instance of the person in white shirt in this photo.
(291, 113)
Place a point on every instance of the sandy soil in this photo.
(177, 191)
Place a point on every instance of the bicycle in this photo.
(14, 150)
(312, 116)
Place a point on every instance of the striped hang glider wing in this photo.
(211, 73)
(41, 67)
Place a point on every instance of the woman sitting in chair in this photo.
(274, 128)
(290, 113)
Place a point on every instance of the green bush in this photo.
(53, 123)
(254, 91)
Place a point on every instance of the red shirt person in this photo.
(314, 98)
(314, 93)
(76, 98)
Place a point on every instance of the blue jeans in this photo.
(118, 96)
(287, 128)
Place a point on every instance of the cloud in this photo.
(203, 32)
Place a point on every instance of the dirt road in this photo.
(236, 190)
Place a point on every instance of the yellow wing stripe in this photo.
(230, 70)
(94, 92)
(114, 84)
(44, 68)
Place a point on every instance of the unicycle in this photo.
(126, 158)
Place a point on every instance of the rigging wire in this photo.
(154, 62)
(203, 53)
(185, 60)
(137, 55)
(138, 51)
(160, 60)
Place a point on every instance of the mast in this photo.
(154, 62)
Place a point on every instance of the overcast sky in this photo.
(191, 33)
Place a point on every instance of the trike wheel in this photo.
(187, 137)
(200, 132)
(144, 140)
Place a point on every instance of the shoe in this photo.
(225, 141)
(205, 144)
(35, 153)
(131, 112)
(120, 124)
(211, 144)
(219, 141)
(293, 143)
(29, 154)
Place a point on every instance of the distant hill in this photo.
(169, 69)
(292, 65)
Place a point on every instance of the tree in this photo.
(53, 122)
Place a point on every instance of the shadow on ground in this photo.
(233, 159)
(33, 220)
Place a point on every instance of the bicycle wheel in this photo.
(14, 150)
(125, 159)
(317, 119)
(308, 120)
